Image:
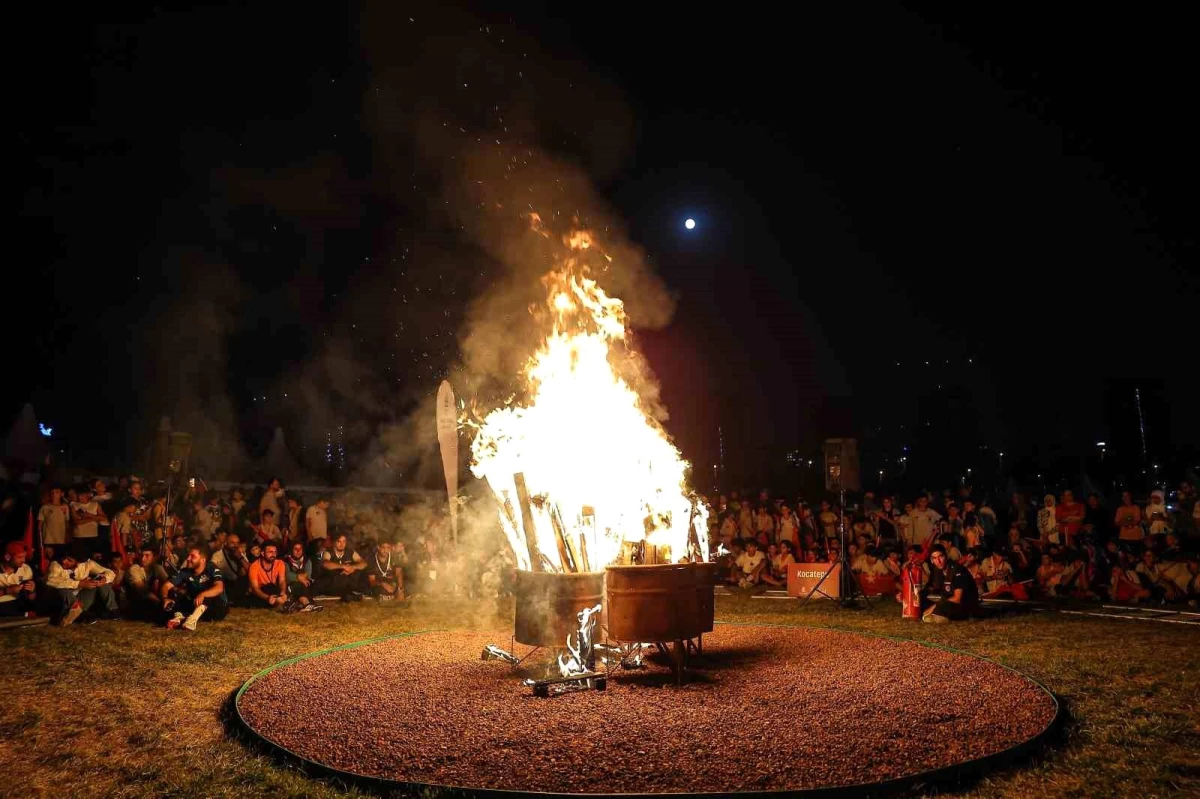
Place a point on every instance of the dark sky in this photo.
(216, 205)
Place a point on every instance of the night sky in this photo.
(218, 208)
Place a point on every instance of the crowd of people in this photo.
(960, 547)
(92, 553)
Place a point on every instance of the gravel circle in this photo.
(766, 709)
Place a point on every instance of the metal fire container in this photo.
(654, 603)
(706, 580)
(548, 605)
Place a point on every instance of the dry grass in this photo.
(123, 709)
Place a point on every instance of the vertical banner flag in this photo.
(447, 432)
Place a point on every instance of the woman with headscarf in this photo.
(1047, 522)
(1156, 514)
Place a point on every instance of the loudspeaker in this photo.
(841, 465)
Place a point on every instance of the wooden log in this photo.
(560, 538)
(535, 555)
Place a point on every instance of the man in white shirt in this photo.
(751, 562)
(271, 498)
(88, 515)
(17, 590)
(79, 582)
(923, 523)
(316, 522)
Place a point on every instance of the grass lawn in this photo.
(123, 709)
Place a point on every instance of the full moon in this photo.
(690, 224)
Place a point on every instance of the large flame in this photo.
(598, 470)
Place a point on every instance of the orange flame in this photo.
(599, 469)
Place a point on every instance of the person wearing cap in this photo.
(198, 589)
(75, 583)
(17, 590)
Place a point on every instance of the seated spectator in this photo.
(1153, 578)
(751, 565)
(1048, 574)
(998, 577)
(18, 592)
(198, 589)
(234, 566)
(341, 572)
(973, 532)
(1074, 580)
(731, 572)
(1191, 588)
(75, 583)
(116, 563)
(300, 577)
(385, 576)
(268, 581)
(960, 597)
(1126, 583)
(892, 563)
(783, 558)
(143, 584)
(176, 555)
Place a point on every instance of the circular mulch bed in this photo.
(765, 709)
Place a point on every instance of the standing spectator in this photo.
(102, 497)
(1128, 519)
(176, 554)
(1096, 520)
(52, 521)
(87, 515)
(1158, 518)
(1070, 516)
(124, 542)
(1018, 512)
(789, 526)
(198, 589)
(745, 520)
(924, 522)
(141, 517)
(74, 584)
(290, 524)
(271, 498)
(827, 520)
(267, 529)
(764, 524)
(1047, 522)
(316, 523)
(885, 522)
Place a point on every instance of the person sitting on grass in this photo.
(1126, 584)
(341, 571)
(999, 579)
(143, 584)
(960, 598)
(732, 572)
(780, 562)
(17, 589)
(751, 565)
(1154, 578)
(268, 581)
(1074, 580)
(75, 583)
(267, 529)
(198, 589)
(385, 575)
(299, 576)
(234, 566)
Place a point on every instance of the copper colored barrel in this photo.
(706, 580)
(653, 603)
(548, 605)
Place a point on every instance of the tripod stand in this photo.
(849, 586)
